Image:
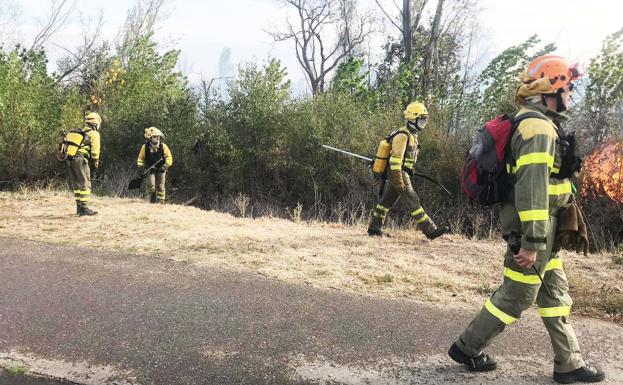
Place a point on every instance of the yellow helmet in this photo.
(93, 119)
(153, 131)
(414, 110)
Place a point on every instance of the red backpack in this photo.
(485, 177)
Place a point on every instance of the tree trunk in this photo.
(407, 40)
(431, 52)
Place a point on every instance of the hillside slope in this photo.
(451, 269)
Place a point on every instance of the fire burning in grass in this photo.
(603, 172)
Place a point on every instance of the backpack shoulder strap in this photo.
(517, 119)
(397, 131)
(535, 115)
(530, 114)
(393, 134)
(161, 150)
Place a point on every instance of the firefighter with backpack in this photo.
(154, 152)
(396, 156)
(540, 160)
(79, 149)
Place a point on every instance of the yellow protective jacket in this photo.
(403, 155)
(536, 157)
(147, 158)
(90, 147)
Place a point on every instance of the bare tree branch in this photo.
(391, 19)
(431, 56)
(410, 22)
(140, 22)
(60, 13)
(327, 31)
(83, 52)
(418, 16)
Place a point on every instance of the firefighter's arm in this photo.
(95, 148)
(140, 161)
(399, 146)
(168, 157)
(95, 145)
(533, 150)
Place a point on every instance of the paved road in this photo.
(166, 323)
(9, 379)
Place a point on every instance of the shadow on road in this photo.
(19, 379)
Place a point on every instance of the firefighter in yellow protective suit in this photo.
(155, 152)
(83, 149)
(403, 155)
(529, 220)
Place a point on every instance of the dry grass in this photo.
(451, 269)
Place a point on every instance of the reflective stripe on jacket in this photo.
(90, 146)
(168, 157)
(536, 155)
(404, 150)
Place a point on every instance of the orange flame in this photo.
(603, 172)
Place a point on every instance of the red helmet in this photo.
(556, 68)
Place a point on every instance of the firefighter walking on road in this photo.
(541, 160)
(402, 158)
(155, 152)
(81, 149)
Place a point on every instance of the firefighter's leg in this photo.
(150, 185)
(517, 293)
(74, 182)
(554, 310)
(83, 173)
(377, 217)
(424, 222)
(160, 190)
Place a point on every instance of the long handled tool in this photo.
(136, 182)
(370, 161)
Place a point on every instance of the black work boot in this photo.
(376, 232)
(479, 363)
(152, 197)
(77, 207)
(438, 232)
(583, 374)
(85, 211)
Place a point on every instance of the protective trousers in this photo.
(411, 200)
(155, 185)
(80, 177)
(519, 290)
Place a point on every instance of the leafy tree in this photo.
(146, 91)
(497, 83)
(603, 109)
(29, 114)
(352, 79)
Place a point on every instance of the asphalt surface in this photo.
(170, 323)
(10, 379)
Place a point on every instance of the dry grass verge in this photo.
(451, 269)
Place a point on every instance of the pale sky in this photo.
(202, 29)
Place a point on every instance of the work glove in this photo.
(164, 167)
(395, 177)
(571, 240)
(571, 232)
(97, 163)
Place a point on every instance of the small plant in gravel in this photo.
(387, 278)
(18, 370)
(297, 213)
(485, 289)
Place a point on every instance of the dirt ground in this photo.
(451, 269)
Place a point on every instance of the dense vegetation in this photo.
(253, 147)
